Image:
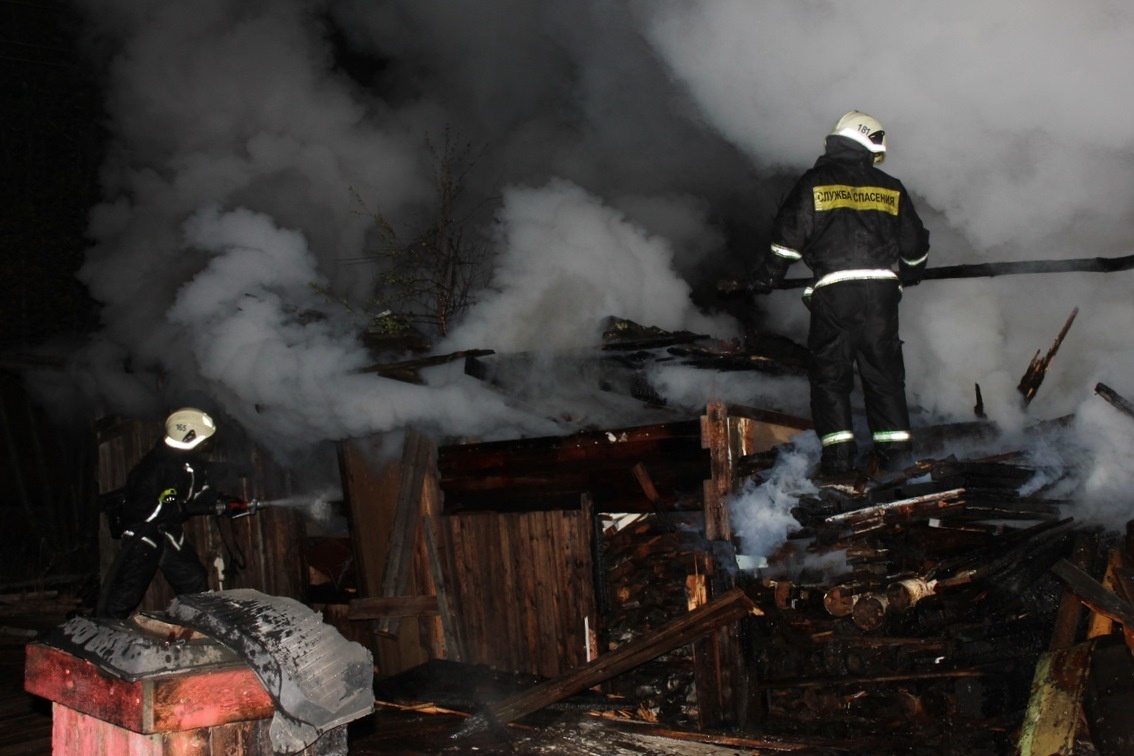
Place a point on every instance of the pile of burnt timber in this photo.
(645, 565)
(956, 590)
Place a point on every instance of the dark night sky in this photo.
(51, 146)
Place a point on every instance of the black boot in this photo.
(893, 457)
(837, 459)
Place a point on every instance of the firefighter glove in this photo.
(759, 287)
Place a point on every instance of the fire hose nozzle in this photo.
(240, 508)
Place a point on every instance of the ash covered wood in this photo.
(951, 597)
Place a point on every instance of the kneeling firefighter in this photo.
(857, 230)
(167, 486)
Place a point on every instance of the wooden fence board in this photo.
(418, 457)
(519, 600)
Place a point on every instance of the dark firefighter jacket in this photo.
(166, 487)
(846, 219)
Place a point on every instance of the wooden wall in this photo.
(521, 587)
(377, 480)
(514, 591)
(486, 553)
(270, 542)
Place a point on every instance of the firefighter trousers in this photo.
(138, 561)
(855, 324)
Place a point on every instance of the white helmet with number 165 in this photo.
(864, 129)
(187, 428)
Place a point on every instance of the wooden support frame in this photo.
(389, 496)
(730, 432)
(419, 455)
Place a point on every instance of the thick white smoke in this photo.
(241, 151)
(637, 150)
(1006, 127)
(567, 262)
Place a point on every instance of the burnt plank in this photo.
(549, 451)
(729, 607)
(1115, 399)
(1066, 624)
(418, 456)
(1093, 594)
(436, 550)
(715, 438)
(365, 484)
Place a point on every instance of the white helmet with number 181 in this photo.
(864, 129)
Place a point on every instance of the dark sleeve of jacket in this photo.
(166, 487)
(790, 232)
(913, 243)
(146, 483)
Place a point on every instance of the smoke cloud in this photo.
(632, 153)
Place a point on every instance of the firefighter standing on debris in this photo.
(164, 489)
(852, 225)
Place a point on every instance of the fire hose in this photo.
(977, 270)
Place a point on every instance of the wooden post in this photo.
(418, 456)
(454, 648)
(729, 433)
(715, 438)
(1071, 605)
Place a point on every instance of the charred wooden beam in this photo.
(1009, 575)
(822, 682)
(904, 509)
(720, 484)
(418, 460)
(752, 743)
(549, 451)
(727, 608)
(450, 628)
(642, 475)
(553, 471)
(1037, 369)
(1094, 594)
(1116, 400)
(1001, 556)
(620, 333)
(1066, 623)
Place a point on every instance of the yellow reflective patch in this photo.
(835, 196)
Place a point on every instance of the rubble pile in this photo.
(644, 567)
(933, 629)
